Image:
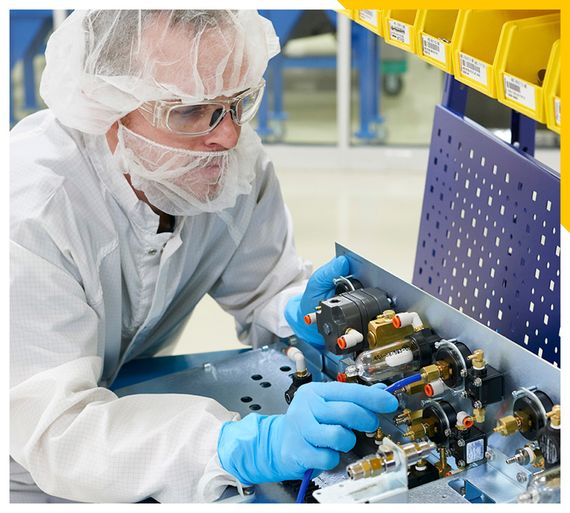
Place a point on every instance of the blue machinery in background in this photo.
(28, 33)
(366, 59)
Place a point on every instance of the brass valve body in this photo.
(381, 331)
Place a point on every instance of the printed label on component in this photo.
(475, 451)
(433, 48)
(520, 91)
(369, 16)
(473, 68)
(399, 32)
(557, 110)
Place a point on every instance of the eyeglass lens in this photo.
(203, 117)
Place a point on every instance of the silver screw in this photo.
(461, 442)
(207, 366)
(477, 404)
(490, 455)
(461, 463)
(463, 373)
(477, 382)
(521, 477)
(464, 394)
(447, 432)
(265, 348)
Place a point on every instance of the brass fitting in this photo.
(366, 467)
(379, 436)
(407, 416)
(442, 466)
(417, 430)
(414, 388)
(381, 331)
(508, 425)
(554, 416)
(478, 359)
(435, 371)
(479, 415)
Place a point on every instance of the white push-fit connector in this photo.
(350, 339)
(298, 357)
(408, 319)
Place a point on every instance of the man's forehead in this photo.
(200, 62)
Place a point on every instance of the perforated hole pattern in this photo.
(489, 241)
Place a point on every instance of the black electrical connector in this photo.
(484, 386)
(549, 443)
(297, 381)
(352, 310)
(468, 445)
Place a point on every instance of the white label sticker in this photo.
(557, 110)
(473, 68)
(369, 16)
(433, 48)
(399, 32)
(475, 451)
(520, 91)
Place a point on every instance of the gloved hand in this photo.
(317, 425)
(319, 287)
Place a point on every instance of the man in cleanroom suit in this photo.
(139, 190)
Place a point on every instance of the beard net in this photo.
(186, 182)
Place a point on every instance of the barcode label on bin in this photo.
(473, 68)
(557, 110)
(369, 16)
(433, 48)
(520, 91)
(399, 32)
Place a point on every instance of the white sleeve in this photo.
(265, 271)
(80, 441)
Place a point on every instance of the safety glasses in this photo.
(201, 118)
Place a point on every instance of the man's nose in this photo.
(225, 135)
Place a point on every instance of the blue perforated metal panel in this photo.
(489, 241)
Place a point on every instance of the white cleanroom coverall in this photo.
(93, 285)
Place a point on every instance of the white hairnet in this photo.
(101, 65)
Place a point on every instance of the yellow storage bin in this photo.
(552, 89)
(434, 35)
(400, 28)
(522, 58)
(475, 42)
(369, 18)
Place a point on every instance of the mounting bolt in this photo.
(461, 442)
(490, 455)
(463, 373)
(521, 477)
(460, 463)
(477, 382)
(447, 432)
(477, 404)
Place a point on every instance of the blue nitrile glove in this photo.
(317, 425)
(319, 287)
